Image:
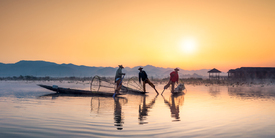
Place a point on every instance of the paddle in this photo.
(118, 86)
(162, 91)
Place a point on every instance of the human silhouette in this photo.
(118, 79)
(174, 77)
(143, 76)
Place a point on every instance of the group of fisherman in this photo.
(174, 77)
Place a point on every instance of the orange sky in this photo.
(226, 33)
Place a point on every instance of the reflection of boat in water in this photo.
(174, 102)
(100, 104)
(75, 91)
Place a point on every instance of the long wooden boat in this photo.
(127, 90)
(56, 95)
(75, 91)
(177, 94)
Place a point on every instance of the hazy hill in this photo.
(43, 68)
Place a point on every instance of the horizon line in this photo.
(103, 66)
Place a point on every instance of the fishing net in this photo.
(102, 84)
(134, 85)
(180, 88)
(108, 85)
(95, 83)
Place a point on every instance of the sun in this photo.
(188, 45)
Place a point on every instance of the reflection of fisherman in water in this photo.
(98, 104)
(174, 102)
(143, 109)
(118, 115)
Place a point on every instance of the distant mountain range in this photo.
(43, 68)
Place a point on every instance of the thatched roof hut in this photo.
(214, 74)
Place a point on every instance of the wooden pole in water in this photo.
(163, 91)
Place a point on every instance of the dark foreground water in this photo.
(204, 111)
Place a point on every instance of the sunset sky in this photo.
(195, 34)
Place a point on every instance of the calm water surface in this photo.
(204, 111)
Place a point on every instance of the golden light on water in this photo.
(240, 111)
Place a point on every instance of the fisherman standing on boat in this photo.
(142, 75)
(174, 77)
(118, 79)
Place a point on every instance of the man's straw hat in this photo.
(120, 66)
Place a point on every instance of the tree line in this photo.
(46, 78)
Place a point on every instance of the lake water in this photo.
(204, 111)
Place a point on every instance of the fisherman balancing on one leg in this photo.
(142, 75)
(118, 79)
(174, 77)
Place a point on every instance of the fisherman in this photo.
(142, 75)
(118, 79)
(174, 77)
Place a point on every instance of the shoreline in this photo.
(186, 81)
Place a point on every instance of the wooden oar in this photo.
(163, 91)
